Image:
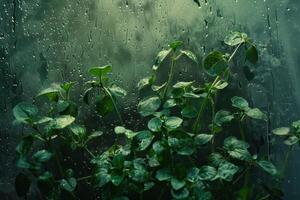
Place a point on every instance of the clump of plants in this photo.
(186, 149)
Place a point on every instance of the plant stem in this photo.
(203, 106)
(213, 108)
(141, 196)
(227, 71)
(286, 160)
(114, 103)
(234, 52)
(91, 153)
(83, 178)
(60, 169)
(240, 176)
(171, 73)
(242, 132)
(161, 194)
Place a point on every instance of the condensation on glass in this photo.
(49, 41)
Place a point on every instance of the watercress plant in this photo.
(183, 151)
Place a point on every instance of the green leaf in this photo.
(148, 186)
(163, 174)
(268, 167)
(24, 112)
(79, 133)
(128, 133)
(291, 140)
(146, 82)
(172, 123)
(240, 154)
(160, 58)
(100, 71)
(170, 103)
(189, 111)
(248, 73)
(158, 147)
(281, 131)
(222, 117)
(183, 84)
(180, 194)
(144, 138)
(192, 175)
(149, 105)
(215, 63)
(117, 91)
(182, 146)
(118, 161)
(215, 159)
(68, 184)
(237, 148)
(190, 55)
(62, 122)
(174, 45)
(23, 163)
(235, 38)
(227, 170)
(62, 105)
(120, 130)
(117, 177)
(25, 145)
(240, 103)
(104, 105)
(52, 93)
(177, 184)
(155, 124)
(22, 184)
(139, 172)
(158, 88)
(67, 86)
(207, 173)
(86, 95)
(43, 120)
(202, 139)
(255, 113)
(45, 182)
(252, 54)
(42, 156)
(185, 147)
(221, 85)
(94, 135)
(296, 125)
(102, 177)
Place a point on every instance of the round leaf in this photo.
(281, 131)
(207, 173)
(202, 139)
(163, 174)
(240, 103)
(23, 112)
(62, 121)
(173, 122)
(42, 155)
(155, 124)
(100, 71)
(149, 105)
(252, 54)
(268, 167)
(235, 38)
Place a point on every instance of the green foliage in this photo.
(177, 150)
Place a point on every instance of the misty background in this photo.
(42, 42)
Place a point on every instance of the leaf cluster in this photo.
(182, 151)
